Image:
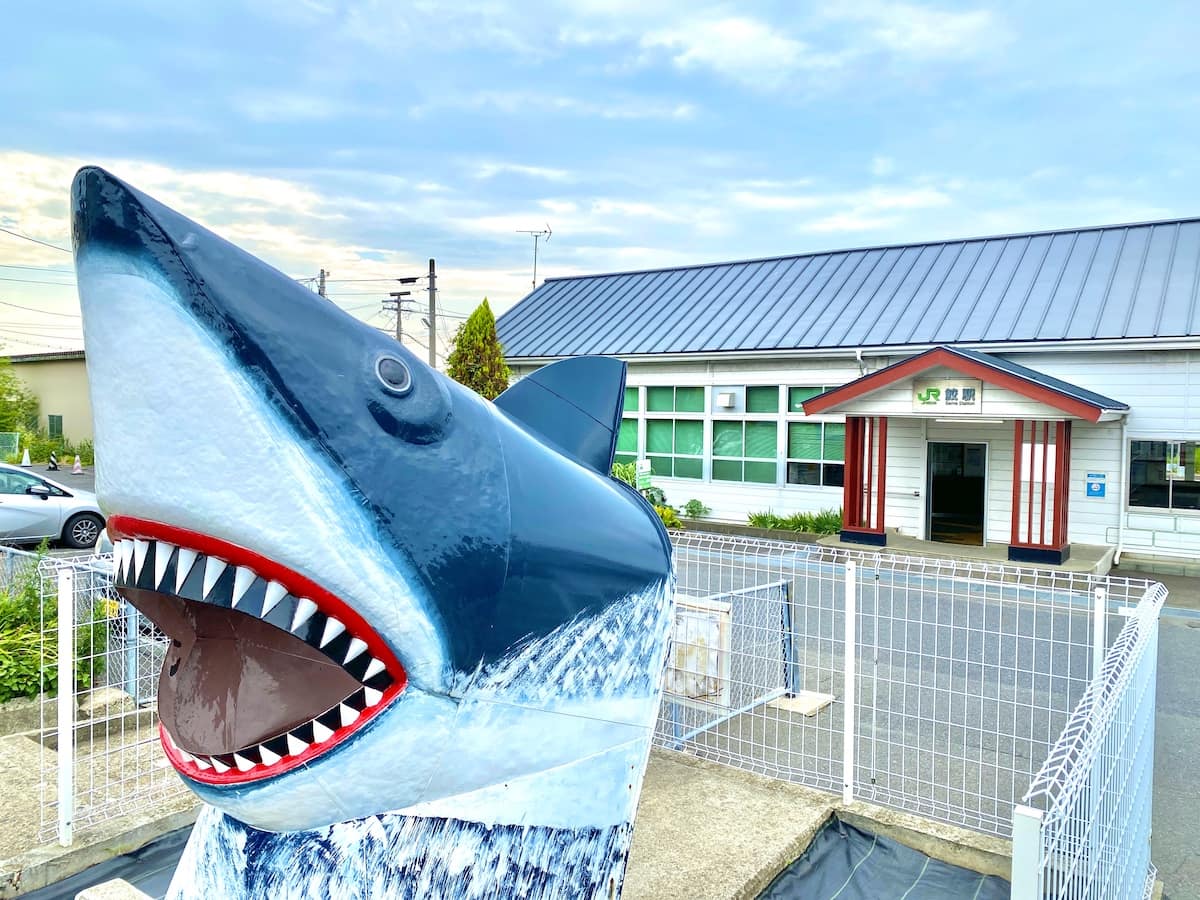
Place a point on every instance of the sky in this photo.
(367, 137)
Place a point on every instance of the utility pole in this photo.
(321, 282)
(537, 235)
(398, 299)
(432, 315)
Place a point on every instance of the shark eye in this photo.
(394, 375)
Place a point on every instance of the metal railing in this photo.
(100, 752)
(1082, 829)
(960, 677)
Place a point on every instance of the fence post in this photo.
(849, 652)
(66, 704)
(1099, 631)
(1026, 875)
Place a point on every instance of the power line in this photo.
(37, 268)
(26, 237)
(42, 311)
(70, 283)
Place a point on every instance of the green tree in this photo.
(18, 405)
(477, 359)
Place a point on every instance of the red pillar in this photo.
(1047, 543)
(865, 480)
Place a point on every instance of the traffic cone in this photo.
(25, 463)
(52, 466)
(77, 469)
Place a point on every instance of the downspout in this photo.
(1121, 476)
(862, 366)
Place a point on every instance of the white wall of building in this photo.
(1162, 389)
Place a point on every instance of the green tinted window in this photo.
(661, 466)
(835, 442)
(760, 440)
(627, 437)
(762, 399)
(797, 396)
(660, 399)
(688, 468)
(689, 437)
(804, 440)
(631, 399)
(689, 399)
(727, 439)
(726, 470)
(660, 436)
(760, 472)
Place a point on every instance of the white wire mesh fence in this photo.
(1082, 831)
(100, 754)
(963, 674)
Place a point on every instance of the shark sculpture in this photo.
(417, 638)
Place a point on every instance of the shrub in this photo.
(39, 444)
(694, 509)
(29, 640)
(626, 472)
(670, 518)
(827, 521)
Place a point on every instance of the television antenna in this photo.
(537, 235)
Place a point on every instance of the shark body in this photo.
(395, 608)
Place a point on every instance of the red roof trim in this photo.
(940, 356)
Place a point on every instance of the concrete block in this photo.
(806, 703)
(24, 714)
(116, 889)
(105, 702)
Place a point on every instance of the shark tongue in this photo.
(231, 680)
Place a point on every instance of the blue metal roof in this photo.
(1113, 282)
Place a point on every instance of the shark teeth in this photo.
(294, 743)
(167, 568)
(170, 569)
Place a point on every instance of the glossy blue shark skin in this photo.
(527, 595)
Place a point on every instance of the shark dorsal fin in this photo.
(575, 404)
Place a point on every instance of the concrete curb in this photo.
(46, 865)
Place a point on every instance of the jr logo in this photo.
(929, 395)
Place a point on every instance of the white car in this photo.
(33, 508)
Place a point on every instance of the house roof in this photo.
(1112, 282)
(47, 357)
(1054, 392)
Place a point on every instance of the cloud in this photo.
(299, 106)
(741, 49)
(487, 170)
(924, 32)
(518, 102)
(882, 166)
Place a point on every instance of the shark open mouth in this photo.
(266, 670)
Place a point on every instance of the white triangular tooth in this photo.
(203, 762)
(243, 764)
(372, 696)
(241, 583)
(268, 758)
(295, 745)
(122, 551)
(275, 593)
(183, 566)
(372, 670)
(162, 556)
(320, 732)
(332, 629)
(220, 767)
(185, 756)
(304, 610)
(348, 714)
(170, 740)
(213, 568)
(140, 549)
(357, 646)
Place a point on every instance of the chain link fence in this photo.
(959, 679)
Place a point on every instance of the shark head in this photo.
(358, 562)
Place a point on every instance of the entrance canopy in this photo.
(950, 384)
(928, 398)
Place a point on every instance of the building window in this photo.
(745, 451)
(631, 400)
(675, 399)
(627, 442)
(797, 396)
(761, 399)
(815, 453)
(675, 447)
(1164, 474)
(54, 426)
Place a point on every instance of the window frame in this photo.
(798, 417)
(1127, 474)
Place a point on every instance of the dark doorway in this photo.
(957, 489)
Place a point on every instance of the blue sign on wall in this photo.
(1095, 484)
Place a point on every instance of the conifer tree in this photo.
(477, 359)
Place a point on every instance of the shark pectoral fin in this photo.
(574, 404)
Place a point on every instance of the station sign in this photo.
(951, 396)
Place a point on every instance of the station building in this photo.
(1030, 392)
